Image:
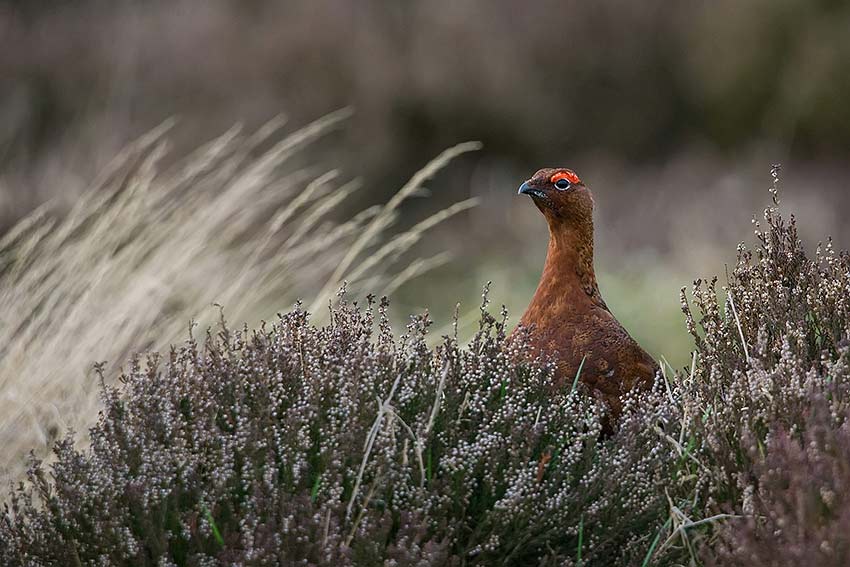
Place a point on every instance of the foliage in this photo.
(344, 444)
(153, 245)
(768, 400)
(800, 514)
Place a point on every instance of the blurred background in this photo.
(671, 112)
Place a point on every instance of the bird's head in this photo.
(560, 195)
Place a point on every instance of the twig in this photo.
(682, 452)
(740, 330)
(417, 444)
(361, 512)
(370, 441)
(666, 380)
(437, 397)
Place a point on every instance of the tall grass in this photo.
(149, 249)
(344, 443)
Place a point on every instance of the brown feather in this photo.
(567, 317)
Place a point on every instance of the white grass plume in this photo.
(144, 252)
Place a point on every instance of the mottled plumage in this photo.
(567, 317)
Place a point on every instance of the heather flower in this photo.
(349, 444)
(770, 379)
(344, 444)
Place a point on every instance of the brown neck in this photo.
(568, 271)
(569, 257)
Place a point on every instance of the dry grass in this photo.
(148, 249)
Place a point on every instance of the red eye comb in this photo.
(568, 175)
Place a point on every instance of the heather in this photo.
(346, 444)
(353, 442)
(248, 220)
(768, 397)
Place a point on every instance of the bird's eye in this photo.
(564, 179)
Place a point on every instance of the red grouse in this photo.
(567, 318)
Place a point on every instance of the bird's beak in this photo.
(526, 189)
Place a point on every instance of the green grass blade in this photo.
(578, 373)
(216, 533)
(580, 539)
(652, 547)
(315, 491)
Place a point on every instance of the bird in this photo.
(567, 318)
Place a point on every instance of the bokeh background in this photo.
(673, 113)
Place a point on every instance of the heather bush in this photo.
(800, 514)
(347, 445)
(767, 397)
